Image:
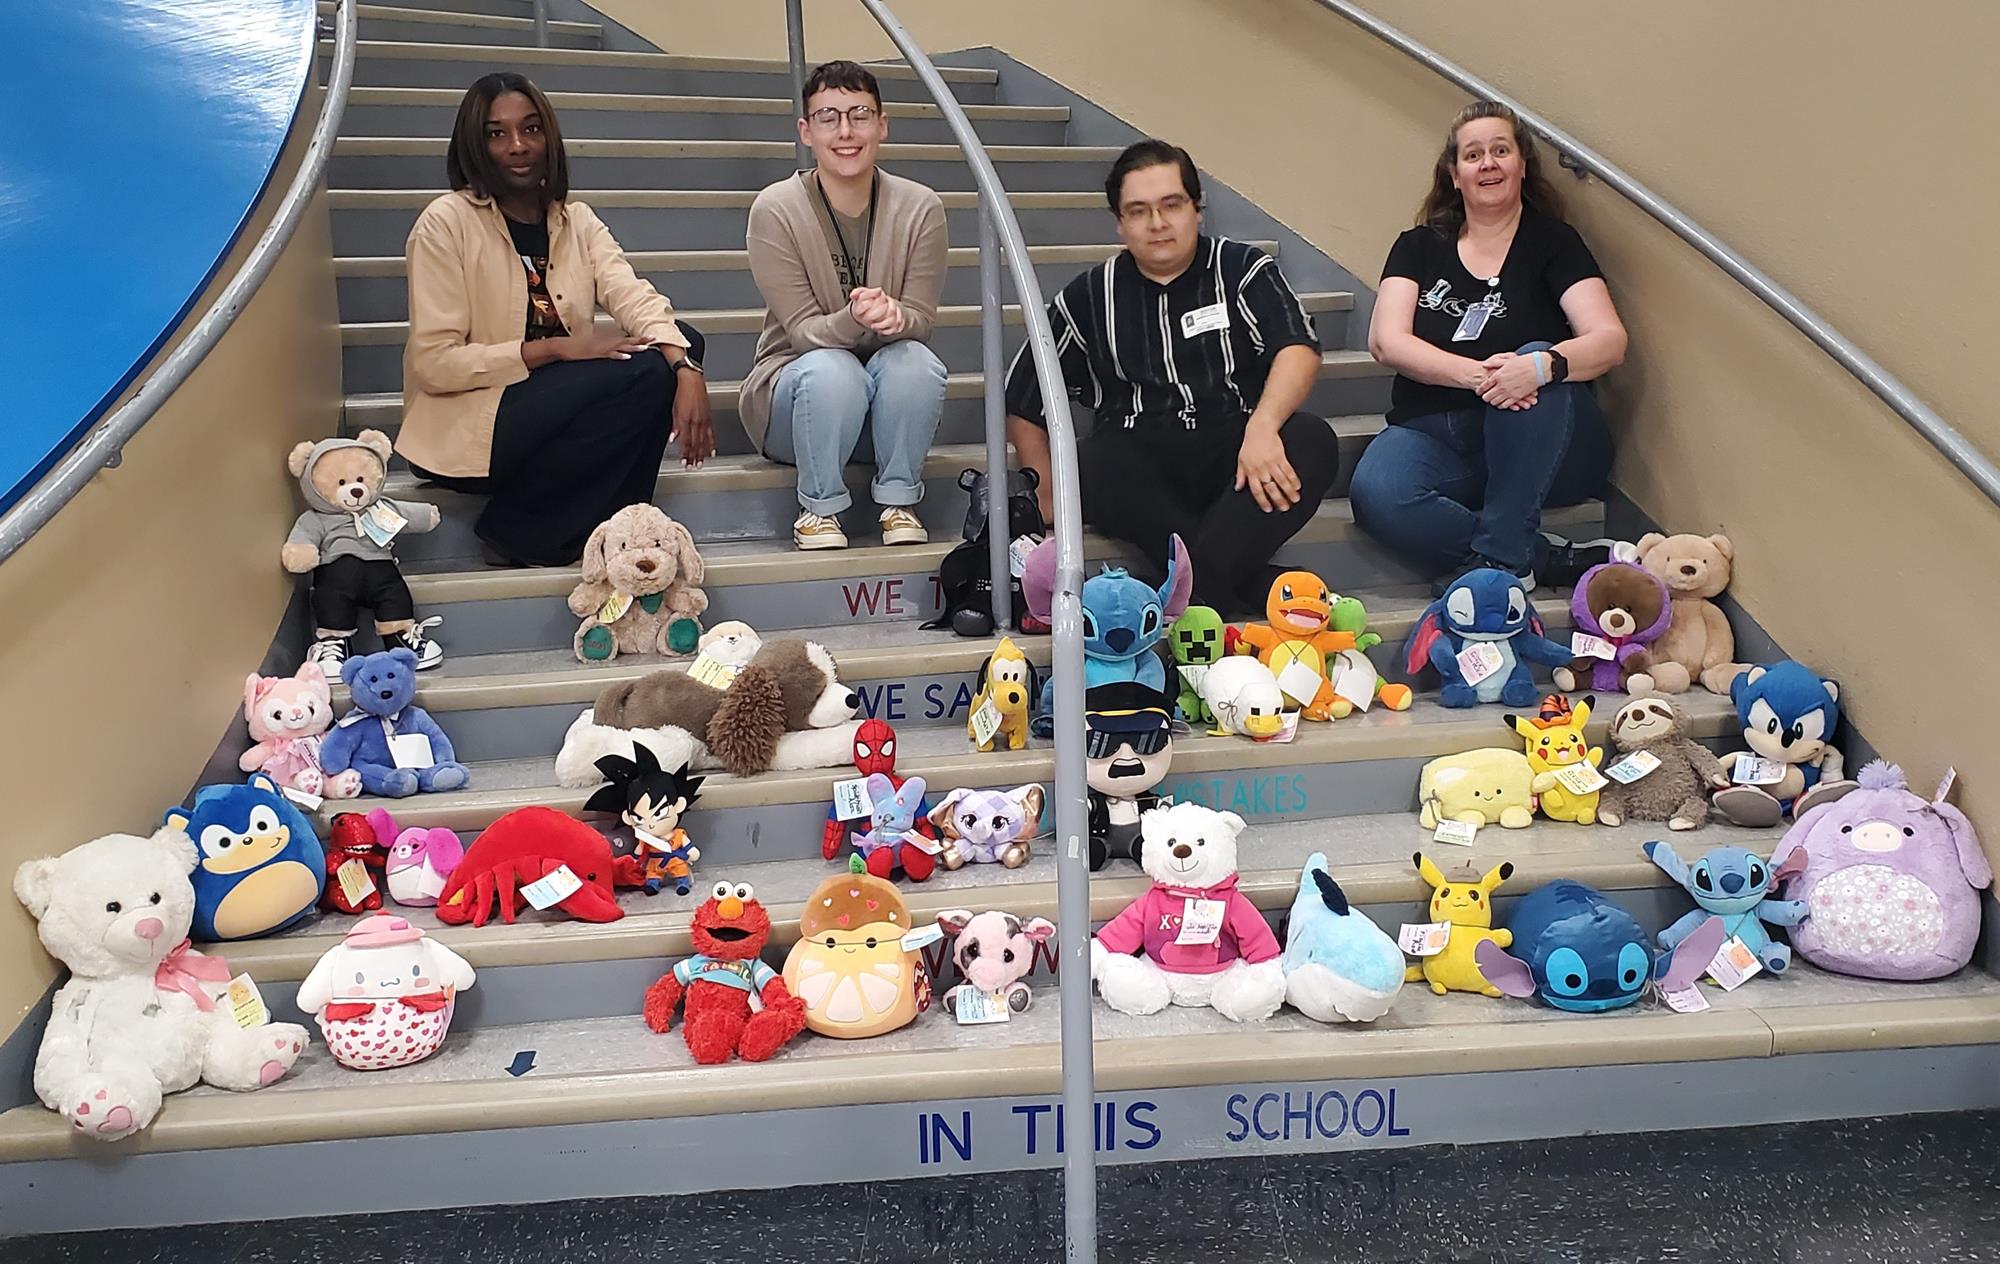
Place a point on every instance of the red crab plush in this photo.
(735, 1003)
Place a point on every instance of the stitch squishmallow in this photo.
(1581, 952)
(261, 865)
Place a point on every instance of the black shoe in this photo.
(1564, 561)
(1474, 562)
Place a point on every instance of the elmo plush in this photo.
(735, 1003)
(352, 837)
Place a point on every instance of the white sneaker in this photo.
(429, 653)
(813, 531)
(328, 655)
(900, 525)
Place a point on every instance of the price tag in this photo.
(246, 1005)
(1457, 833)
(1944, 785)
(614, 607)
(1299, 682)
(1688, 1000)
(1479, 660)
(712, 672)
(1424, 939)
(549, 891)
(1632, 767)
(928, 846)
(380, 523)
(1580, 779)
(1017, 554)
(1288, 728)
(973, 1007)
(430, 883)
(411, 750)
(356, 883)
(1356, 679)
(1584, 645)
(310, 802)
(922, 937)
(1734, 964)
(1194, 674)
(1755, 770)
(985, 723)
(851, 801)
(1201, 921)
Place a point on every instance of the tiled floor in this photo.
(1923, 1188)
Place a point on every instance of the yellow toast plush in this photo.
(1478, 787)
(1466, 902)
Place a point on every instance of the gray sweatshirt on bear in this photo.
(334, 532)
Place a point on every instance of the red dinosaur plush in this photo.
(522, 847)
(735, 1003)
(352, 837)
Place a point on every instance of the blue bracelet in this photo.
(1542, 375)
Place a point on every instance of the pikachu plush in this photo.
(1466, 902)
(1555, 742)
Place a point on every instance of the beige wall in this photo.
(128, 623)
(1838, 145)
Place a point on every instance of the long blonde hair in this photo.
(1443, 207)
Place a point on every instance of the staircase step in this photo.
(498, 8)
(394, 22)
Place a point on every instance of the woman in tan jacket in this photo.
(509, 387)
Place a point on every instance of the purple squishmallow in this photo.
(1890, 881)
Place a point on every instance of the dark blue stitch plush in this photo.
(1580, 952)
(1483, 607)
(382, 685)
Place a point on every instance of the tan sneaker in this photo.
(900, 525)
(811, 531)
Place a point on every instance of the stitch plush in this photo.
(994, 951)
(384, 995)
(287, 718)
(1203, 942)
(138, 1017)
(986, 827)
(1734, 887)
(1582, 953)
(1788, 715)
(1698, 643)
(1128, 746)
(1007, 679)
(1339, 966)
(1485, 786)
(1628, 606)
(898, 835)
(1891, 881)
(1674, 792)
(1482, 607)
(1123, 620)
(1555, 742)
(1298, 609)
(851, 965)
(1195, 642)
(382, 686)
(1243, 696)
(260, 865)
(651, 801)
(735, 1003)
(1351, 618)
(1465, 902)
(641, 588)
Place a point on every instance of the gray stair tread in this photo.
(739, 260)
(528, 56)
(671, 103)
(682, 199)
(453, 17)
(893, 152)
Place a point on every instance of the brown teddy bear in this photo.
(1698, 644)
(345, 539)
(639, 593)
(1676, 790)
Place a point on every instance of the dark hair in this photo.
(641, 777)
(847, 76)
(1151, 153)
(468, 164)
(1443, 208)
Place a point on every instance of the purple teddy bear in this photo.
(1628, 607)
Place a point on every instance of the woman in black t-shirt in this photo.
(1495, 317)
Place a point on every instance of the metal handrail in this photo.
(102, 447)
(1935, 430)
(1000, 239)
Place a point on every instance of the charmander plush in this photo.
(735, 1003)
(1299, 608)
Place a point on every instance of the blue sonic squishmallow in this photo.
(1339, 966)
(1580, 952)
(1788, 715)
(1124, 620)
(261, 866)
(1734, 887)
(1483, 607)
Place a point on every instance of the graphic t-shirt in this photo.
(531, 242)
(1524, 300)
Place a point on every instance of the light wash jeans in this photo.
(828, 407)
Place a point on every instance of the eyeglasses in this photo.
(827, 119)
(1101, 744)
(1172, 204)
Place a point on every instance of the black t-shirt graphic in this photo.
(531, 242)
(1524, 300)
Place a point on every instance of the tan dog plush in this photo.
(640, 592)
(1698, 644)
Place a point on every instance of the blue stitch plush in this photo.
(1580, 952)
(1733, 886)
(1788, 714)
(382, 685)
(1124, 621)
(261, 865)
(1491, 607)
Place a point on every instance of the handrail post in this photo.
(999, 527)
(541, 11)
(795, 48)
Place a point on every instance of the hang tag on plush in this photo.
(1634, 766)
(430, 883)
(986, 722)
(411, 750)
(380, 523)
(1017, 554)
(1424, 939)
(553, 889)
(928, 846)
(1288, 728)
(1944, 785)
(1580, 779)
(1688, 1000)
(1356, 679)
(355, 882)
(614, 607)
(246, 1004)
(1584, 645)
(1299, 682)
(1734, 964)
(850, 799)
(1457, 833)
(974, 1006)
(1755, 770)
(1479, 660)
(305, 799)
(1201, 921)
(1193, 674)
(712, 672)
(922, 937)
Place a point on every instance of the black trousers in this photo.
(343, 587)
(574, 443)
(1145, 484)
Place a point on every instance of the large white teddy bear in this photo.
(1202, 941)
(139, 1017)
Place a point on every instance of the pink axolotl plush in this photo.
(287, 716)
(421, 861)
(994, 951)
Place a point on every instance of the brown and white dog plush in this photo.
(787, 709)
(641, 588)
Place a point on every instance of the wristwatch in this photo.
(1558, 365)
(689, 362)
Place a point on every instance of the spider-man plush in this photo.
(735, 1003)
(875, 752)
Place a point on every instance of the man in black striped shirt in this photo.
(1195, 356)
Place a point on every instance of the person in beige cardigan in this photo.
(510, 389)
(850, 260)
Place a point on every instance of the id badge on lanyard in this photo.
(1474, 320)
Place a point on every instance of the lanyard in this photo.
(860, 273)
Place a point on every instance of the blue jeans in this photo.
(827, 408)
(1437, 488)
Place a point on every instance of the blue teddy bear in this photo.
(382, 685)
(1124, 621)
(1733, 886)
(1483, 607)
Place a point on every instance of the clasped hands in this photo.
(876, 310)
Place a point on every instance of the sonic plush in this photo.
(1483, 607)
(1788, 716)
(1123, 620)
(261, 866)
(1733, 887)
(1580, 952)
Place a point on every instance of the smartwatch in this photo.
(1558, 365)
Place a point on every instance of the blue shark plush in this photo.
(1580, 952)
(1483, 606)
(1339, 966)
(1733, 887)
(261, 865)
(1789, 715)
(1124, 620)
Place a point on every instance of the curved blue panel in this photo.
(139, 136)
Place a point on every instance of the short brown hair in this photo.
(841, 76)
(468, 164)
(1443, 208)
(1141, 154)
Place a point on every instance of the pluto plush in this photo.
(260, 864)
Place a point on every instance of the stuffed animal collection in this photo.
(1006, 682)
(641, 588)
(1128, 747)
(993, 951)
(735, 1005)
(287, 718)
(384, 995)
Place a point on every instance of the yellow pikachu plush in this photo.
(1478, 787)
(1555, 742)
(1466, 902)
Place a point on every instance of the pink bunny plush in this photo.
(420, 861)
(287, 716)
